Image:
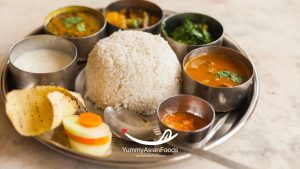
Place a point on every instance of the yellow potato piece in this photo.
(32, 112)
(116, 19)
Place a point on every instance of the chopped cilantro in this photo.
(232, 76)
(72, 20)
(192, 33)
(80, 27)
(75, 21)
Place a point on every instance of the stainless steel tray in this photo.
(57, 140)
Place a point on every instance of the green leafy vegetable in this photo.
(72, 20)
(135, 23)
(80, 27)
(232, 76)
(191, 33)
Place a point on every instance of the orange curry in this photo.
(184, 121)
(217, 70)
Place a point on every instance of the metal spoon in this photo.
(135, 124)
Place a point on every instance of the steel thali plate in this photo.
(58, 141)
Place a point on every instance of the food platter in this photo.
(57, 141)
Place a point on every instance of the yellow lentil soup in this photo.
(74, 24)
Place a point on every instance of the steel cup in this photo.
(84, 44)
(64, 77)
(187, 103)
(222, 99)
(170, 23)
(136, 4)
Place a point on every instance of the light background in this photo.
(268, 30)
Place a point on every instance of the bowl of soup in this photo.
(189, 116)
(82, 25)
(220, 75)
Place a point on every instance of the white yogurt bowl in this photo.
(43, 60)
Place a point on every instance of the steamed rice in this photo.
(133, 69)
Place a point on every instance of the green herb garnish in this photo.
(192, 33)
(135, 23)
(232, 76)
(72, 20)
(80, 27)
(76, 21)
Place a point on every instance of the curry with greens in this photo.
(217, 70)
(131, 18)
(74, 24)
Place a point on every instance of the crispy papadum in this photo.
(36, 110)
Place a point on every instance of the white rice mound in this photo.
(132, 69)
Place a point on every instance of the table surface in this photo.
(267, 30)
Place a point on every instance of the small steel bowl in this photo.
(84, 44)
(64, 77)
(222, 99)
(136, 4)
(181, 49)
(187, 103)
